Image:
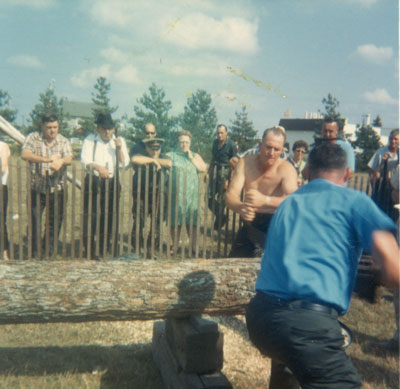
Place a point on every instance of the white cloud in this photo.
(88, 77)
(364, 3)
(30, 3)
(128, 74)
(199, 31)
(115, 55)
(374, 54)
(379, 96)
(25, 61)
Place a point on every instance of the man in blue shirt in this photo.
(308, 273)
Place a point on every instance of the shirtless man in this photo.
(267, 180)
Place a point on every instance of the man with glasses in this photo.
(267, 180)
(148, 169)
(300, 148)
(101, 154)
(149, 132)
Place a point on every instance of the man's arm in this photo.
(30, 156)
(234, 191)
(385, 252)
(268, 204)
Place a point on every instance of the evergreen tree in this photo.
(48, 104)
(154, 108)
(6, 111)
(365, 145)
(377, 122)
(200, 118)
(331, 105)
(242, 130)
(102, 104)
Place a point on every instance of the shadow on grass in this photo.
(120, 365)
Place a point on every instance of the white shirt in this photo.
(95, 150)
(4, 150)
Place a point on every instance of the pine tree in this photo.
(48, 104)
(200, 118)
(6, 111)
(331, 105)
(365, 145)
(102, 104)
(154, 108)
(377, 122)
(242, 130)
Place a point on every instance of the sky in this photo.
(268, 55)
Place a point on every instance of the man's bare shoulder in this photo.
(286, 166)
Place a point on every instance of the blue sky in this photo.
(298, 50)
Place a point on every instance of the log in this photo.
(81, 291)
(17, 135)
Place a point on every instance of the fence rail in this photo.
(136, 219)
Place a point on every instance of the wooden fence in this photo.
(141, 214)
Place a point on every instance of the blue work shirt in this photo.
(315, 241)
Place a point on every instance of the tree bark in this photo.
(80, 291)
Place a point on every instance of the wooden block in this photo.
(173, 375)
(197, 344)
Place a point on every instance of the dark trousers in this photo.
(251, 237)
(54, 205)
(3, 219)
(307, 342)
(140, 217)
(216, 195)
(100, 197)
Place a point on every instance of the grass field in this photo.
(118, 354)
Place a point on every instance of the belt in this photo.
(298, 304)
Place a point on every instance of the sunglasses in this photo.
(150, 132)
(300, 151)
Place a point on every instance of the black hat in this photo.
(104, 120)
(153, 143)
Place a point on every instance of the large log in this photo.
(80, 291)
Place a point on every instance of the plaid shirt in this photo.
(39, 146)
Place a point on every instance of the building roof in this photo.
(76, 109)
(300, 124)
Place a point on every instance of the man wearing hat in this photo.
(102, 155)
(148, 191)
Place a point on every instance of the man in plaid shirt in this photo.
(48, 154)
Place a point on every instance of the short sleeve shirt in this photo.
(376, 160)
(41, 147)
(315, 241)
(222, 155)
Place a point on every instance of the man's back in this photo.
(319, 232)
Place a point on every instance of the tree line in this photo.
(199, 116)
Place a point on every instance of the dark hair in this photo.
(300, 143)
(49, 117)
(330, 119)
(222, 125)
(327, 157)
(394, 133)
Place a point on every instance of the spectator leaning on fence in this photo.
(147, 193)
(149, 132)
(102, 154)
(308, 273)
(381, 167)
(4, 158)
(185, 167)
(267, 180)
(223, 153)
(48, 154)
